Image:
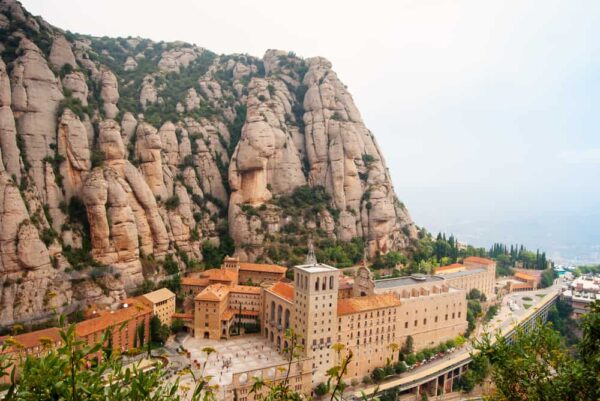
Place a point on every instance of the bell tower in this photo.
(231, 263)
(315, 306)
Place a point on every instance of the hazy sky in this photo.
(484, 109)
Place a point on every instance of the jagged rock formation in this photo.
(122, 156)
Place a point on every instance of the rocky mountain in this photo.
(126, 159)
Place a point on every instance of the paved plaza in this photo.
(232, 356)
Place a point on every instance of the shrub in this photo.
(170, 265)
(97, 158)
(378, 375)
(172, 203)
(368, 159)
(177, 325)
(321, 389)
(400, 367)
(66, 69)
(48, 236)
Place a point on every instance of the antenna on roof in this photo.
(311, 259)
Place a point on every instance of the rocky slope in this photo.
(121, 154)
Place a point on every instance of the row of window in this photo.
(416, 323)
(301, 281)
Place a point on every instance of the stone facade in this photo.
(163, 304)
(474, 272)
(299, 380)
(323, 307)
(122, 324)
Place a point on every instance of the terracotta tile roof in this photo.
(260, 267)
(220, 275)
(476, 259)
(214, 293)
(453, 266)
(157, 296)
(245, 289)
(183, 316)
(363, 304)
(33, 339)
(284, 290)
(525, 276)
(194, 281)
(107, 319)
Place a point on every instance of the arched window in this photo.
(324, 283)
(331, 282)
(317, 284)
(286, 319)
(272, 310)
(305, 282)
(279, 312)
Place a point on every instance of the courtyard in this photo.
(235, 355)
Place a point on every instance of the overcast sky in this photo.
(485, 110)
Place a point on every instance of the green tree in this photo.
(535, 365)
(158, 331)
(73, 372)
(408, 346)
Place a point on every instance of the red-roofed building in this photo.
(474, 272)
(122, 323)
(218, 306)
(477, 261)
(454, 267)
(35, 344)
(368, 303)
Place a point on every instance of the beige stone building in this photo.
(299, 379)
(219, 307)
(474, 272)
(163, 304)
(233, 272)
(381, 314)
(368, 326)
(217, 302)
(324, 307)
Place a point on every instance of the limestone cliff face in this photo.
(116, 154)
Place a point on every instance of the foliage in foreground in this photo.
(537, 365)
(77, 371)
